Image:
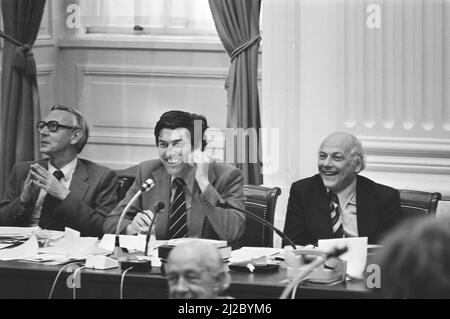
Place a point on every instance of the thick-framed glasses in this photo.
(52, 126)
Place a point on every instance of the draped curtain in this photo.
(237, 24)
(19, 95)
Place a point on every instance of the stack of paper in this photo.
(26, 250)
(17, 232)
(254, 255)
(74, 246)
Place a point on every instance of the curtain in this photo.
(237, 24)
(19, 95)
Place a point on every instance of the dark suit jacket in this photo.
(205, 220)
(93, 194)
(308, 217)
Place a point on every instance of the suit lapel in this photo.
(324, 225)
(79, 184)
(366, 209)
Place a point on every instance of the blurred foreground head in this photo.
(195, 270)
(415, 260)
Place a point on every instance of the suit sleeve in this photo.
(392, 214)
(110, 225)
(12, 212)
(294, 226)
(229, 224)
(89, 217)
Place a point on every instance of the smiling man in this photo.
(338, 202)
(188, 182)
(195, 270)
(61, 190)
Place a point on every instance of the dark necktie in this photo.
(336, 222)
(178, 212)
(48, 218)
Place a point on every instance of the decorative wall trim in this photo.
(399, 146)
(177, 72)
(122, 139)
(84, 70)
(137, 140)
(44, 69)
(408, 155)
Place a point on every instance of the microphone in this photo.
(156, 210)
(146, 186)
(222, 203)
(318, 261)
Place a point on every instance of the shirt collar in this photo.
(188, 177)
(347, 195)
(67, 169)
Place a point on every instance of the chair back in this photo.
(261, 201)
(418, 203)
(126, 178)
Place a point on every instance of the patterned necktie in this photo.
(336, 221)
(48, 218)
(178, 212)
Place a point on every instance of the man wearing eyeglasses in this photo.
(61, 190)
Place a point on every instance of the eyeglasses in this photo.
(52, 126)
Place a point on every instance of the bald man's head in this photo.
(195, 270)
(341, 158)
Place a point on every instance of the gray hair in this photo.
(80, 122)
(357, 152)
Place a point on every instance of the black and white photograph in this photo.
(241, 150)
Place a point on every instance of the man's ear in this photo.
(358, 165)
(77, 135)
(222, 281)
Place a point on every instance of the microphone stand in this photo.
(158, 207)
(119, 251)
(318, 261)
(225, 204)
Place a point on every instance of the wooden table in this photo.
(30, 280)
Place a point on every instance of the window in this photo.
(159, 17)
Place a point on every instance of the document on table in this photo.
(73, 246)
(254, 255)
(17, 231)
(26, 250)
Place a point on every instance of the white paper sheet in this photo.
(356, 256)
(27, 250)
(254, 255)
(17, 231)
(130, 242)
(72, 245)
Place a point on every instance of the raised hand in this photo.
(201, 162)
(29, 190)
(46, 181)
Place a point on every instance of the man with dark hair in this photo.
(188, 182)
(338, 202)
(61, 190)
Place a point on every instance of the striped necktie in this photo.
(178, 212)
(48, 218)
(336, 221)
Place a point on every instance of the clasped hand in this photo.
(39, 178)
